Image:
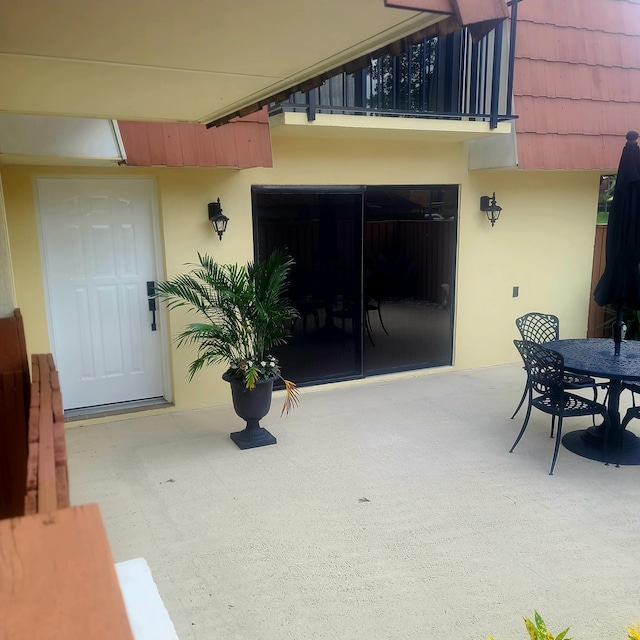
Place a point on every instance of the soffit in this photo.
(193, 60)
(481, 16)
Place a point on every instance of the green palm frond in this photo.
(243, 312)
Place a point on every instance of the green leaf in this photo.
(533, 633)
(540, 622)
(242, 312)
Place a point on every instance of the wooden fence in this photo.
(47, 486)
(14, 410)
(57, 577)
(597, 314)
(33, 458)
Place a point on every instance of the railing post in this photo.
(495, 76)
(359, 88)
(312, 104)
(474, 77)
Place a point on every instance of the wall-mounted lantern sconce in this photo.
(217, 218)
(490, 207)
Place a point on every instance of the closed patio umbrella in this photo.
(620, 282)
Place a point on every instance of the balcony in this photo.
(442, 84)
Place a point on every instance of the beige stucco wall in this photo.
(542, 243)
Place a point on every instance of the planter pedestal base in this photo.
(251, 405)
(253, 436)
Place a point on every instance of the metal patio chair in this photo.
(373, 304)
(373, 296)
(632, 412)
(544, 327)
(632, 386)
(546, 376)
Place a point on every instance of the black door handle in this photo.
(151, 293)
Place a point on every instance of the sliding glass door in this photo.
(409, 261)
(322, 231)
(373, 280)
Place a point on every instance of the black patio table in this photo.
(595, 357)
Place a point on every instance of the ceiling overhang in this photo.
(480, 16)
(195, 61)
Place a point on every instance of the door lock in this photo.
(151, 294)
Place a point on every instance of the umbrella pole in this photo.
(617, 330)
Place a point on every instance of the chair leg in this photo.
(607, 431)
(380, 317)
(595, 399)
(368, 320)
(524, 395)
(553, 424)
(557, 447)
(524, 426)
(623, 428)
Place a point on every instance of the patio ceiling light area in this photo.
(183, 61)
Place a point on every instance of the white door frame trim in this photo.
(161, 313)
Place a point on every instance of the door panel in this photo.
(98, 250)
(409, 269)
(322, 231)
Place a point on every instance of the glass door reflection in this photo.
(409, 262)
(322, 231)
(373, 280)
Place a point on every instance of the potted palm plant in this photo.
(243, 313)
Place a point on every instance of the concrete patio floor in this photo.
(389, 509)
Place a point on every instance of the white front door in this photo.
(98, 255)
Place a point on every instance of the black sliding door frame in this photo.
(431, 240)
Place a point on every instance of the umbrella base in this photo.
(589, 443)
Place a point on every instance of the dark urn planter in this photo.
(251, 405)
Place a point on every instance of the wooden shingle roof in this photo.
(240, 144)
(576, 82)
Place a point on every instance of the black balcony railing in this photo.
(447, 77)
